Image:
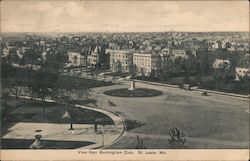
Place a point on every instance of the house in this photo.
(94, 57)
(241, 72)
(180, 53)
(166, 56)
(221, 63)
(6, 52)
(44, 55)
(166, 51)
(113, 46)
(19, 53)
(76, 59)
(165, 59)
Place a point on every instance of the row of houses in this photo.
(226, 63)
(131, 60)
(126, 60)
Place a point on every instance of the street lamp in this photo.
(98, 121)
(67, 115)
(103, 136)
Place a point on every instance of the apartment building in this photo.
(146, 62)
(120, 60)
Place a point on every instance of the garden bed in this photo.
(138, 92)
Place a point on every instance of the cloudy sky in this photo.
(123, 16)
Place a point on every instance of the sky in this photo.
(123, 16)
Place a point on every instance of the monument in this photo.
(37, 144)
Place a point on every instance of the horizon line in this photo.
(56, 32)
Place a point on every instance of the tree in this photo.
(16, 90)
(40, 86)
(163, 74)
(118, 67)
(153, 74)
(203, 62)
(133, 70)
(177, 139)
(44, 81)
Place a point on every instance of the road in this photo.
(212, 121)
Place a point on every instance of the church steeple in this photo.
(96, 50)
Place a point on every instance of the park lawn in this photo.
(23, 110)
(204, 120)
(149, 143)
(23, 77)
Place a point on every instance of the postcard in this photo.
(124, 80)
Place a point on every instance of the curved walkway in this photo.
(82, 132)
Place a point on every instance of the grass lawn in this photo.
(23, 77)
(223, 120)
(138, 92)
(23, 110)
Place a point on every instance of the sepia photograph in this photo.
(138, 75)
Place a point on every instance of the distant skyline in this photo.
(124, 16)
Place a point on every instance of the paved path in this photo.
(81, 132)
(197, 89)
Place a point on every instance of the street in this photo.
(208, 121)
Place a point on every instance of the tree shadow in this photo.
(132, 124)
